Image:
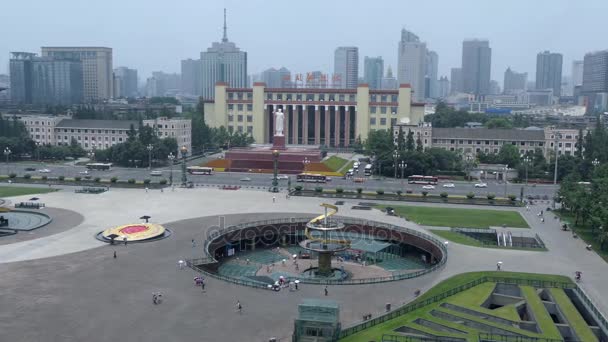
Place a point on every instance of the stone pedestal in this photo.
(278, 142)
(324, 269)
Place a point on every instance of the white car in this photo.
(428, 187)
(85, 172)
(245, 179)
(481, 185)
(448, 185)
(156, 173)
(282, 177)
(44, 171)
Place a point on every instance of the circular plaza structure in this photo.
(22, 220)
(134, 232)
(352, 251)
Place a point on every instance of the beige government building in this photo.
(331, 117)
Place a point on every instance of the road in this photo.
(264, 180)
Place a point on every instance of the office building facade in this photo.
(515, 82)
(549, 72)
(179, 129)
(455, 80)
(577, 73)
(97, 69)
(411, 63)
(476, 67)
(389, 82)
(125, 82)
(595, 80)
(373, 72)
(223, 62)
(346, 67)
(191, 77)
(444, 87)
(431, 81)
(277, 78)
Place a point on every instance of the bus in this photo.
(311, 178)
(99, 166)
(417, 179)
(368, 169)
(199, 170)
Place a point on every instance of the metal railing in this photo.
(417, 304)
(490, 337)
(602, 321)
(402, 338)
(516, 244)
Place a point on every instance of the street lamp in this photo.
(595, 163)
(149, 148)
(505, 178)
(7, 153)
(38, 150)
(184, 151)
(395, 156)
(527, 160)
(171, 157)
(92, 153)
(402, 166)
(306, 161)
(468, 159)
(275, 180)
(556, 142)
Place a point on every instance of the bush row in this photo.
(443, 195)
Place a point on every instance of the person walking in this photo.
(274, 199)
(326, 291)
(114, 254)
(124, 239)
(193, 243)
(239, 307)
(203, 285)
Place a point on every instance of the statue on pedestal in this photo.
(279, 122)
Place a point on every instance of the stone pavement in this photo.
(71, 289)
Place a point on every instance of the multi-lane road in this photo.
(265, 180)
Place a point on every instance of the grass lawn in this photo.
(462, 218)
(583, 232)
(541, 315)
(572, 315)
(8, 191)
(469, 241)
(335, 162)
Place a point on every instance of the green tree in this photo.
(498, 123)
(401, 140)
(419, 146)
(509, 155)
(410, 142)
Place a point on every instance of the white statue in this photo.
(279, 124)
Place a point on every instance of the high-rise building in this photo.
(494, 87)
(191, 77)
(346, 66)
(96, 65)
(595, 80)
(476, 66)
(455, 80)
(46, 80)
(277, 78)
(125, 82)
(431, 81)
(549, 72)
(373, 71)
(514, 81)
(389, 81)
(411, 59)
(444, 87)
(577, 73)
(223, 62)
(317, 79)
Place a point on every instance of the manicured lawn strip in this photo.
(545, 323)
(573, 316)
(465, 218)
(8, 191)
(469, 241)
(584, 232)
(334, 163)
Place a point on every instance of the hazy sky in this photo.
(152, 35)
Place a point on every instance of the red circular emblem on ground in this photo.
(133, 229)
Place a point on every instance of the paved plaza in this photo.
(64, 285)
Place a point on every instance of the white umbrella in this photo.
(297, 281)
(500, 262)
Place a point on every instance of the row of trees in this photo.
(448, 117)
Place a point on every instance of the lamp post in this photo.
(557, 137)
(7, 153)
(149, 148)
(91, 154)
(38, 151)
(402, 166)
(184, 151)
(595, 163)
(275, 171)
(306, 161)
(505, 178)
(527, 160)
(468, 159)
(395, 156)
(171, 158)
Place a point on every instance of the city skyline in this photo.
(514, 46)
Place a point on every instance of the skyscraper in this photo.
(223, 62)
(346, 66)
(595, 80)
(411, 67)
(163, 84)
(444, 87)
(373, 71)
(432, 66)
(20, 67)
(549, 72)
(125, 82)
(577, 73)
(191, 77)
(277, 78)
(389, 81)
(514, 81)
(97, 68)
(456, 80)
(476, 66)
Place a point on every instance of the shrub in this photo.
(12, 175)
(491, 196)
(470, 195)
(97, 180)
(424, 193)
(339, 190)
(77, 178)
(163, 181)
(408, 191)
(512, 197)
(147, 181)
(114, 179)
(318, 189)
(61, 178)
(131, 181)
(380, 192)
(443, 195)
(399, 192)
(298, 188)
(359, 190)
(45, 177)
(27, 176)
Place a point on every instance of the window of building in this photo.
(478, 142)
(230, 96)
(434, 141)
(86, 145)
(249, 118)
(341, 97)
(373, 98)
(486, 150)
(249, 107)
(299, 97)
(452, 149)
(239, 96)
(249, 96)
(113, 139)
(332, 97)
(372, 109)
(99, 131)
(383, 121)
(239, 118)
(279, 97)
(427, 133)
(383, 110)
(240, 107)
(250, 129)
(559, 144)
(383, 98)
(119, 139)
(230, 107)
(230, 128)
(372, 121)
(321, 97)
(310, 97)
(107, 139)
(523, 143)
(495, 142)
(393, 121)
(351, 98)
(568, 145)
(288, 97)
(230, 117)
(268, 96)
(113, 131)
(394, 110)
(478, 150)
(79, 138)
(86, 138)
(240, 129)
(86, 131)
(568, 137)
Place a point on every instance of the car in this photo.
(481, 185)
(85, 172)
(44, 171)
(428, 187)
(156, 173)
(448, 185)
(30, 169)
(245, 179)
(282, 177)
(327, 179)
